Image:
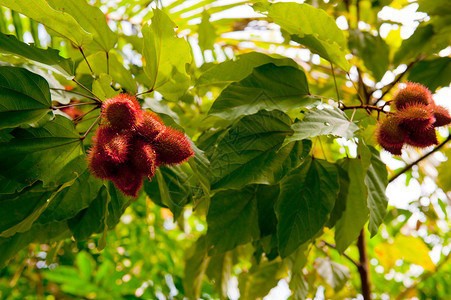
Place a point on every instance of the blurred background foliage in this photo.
(146, 254)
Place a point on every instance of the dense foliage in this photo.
(286, 186)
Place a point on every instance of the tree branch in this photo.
(366, 107)
(363, 266)
(344, 254)
(409, 166)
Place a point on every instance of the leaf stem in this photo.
(90, 128)
(87, 62)
(75, 104)
(145, 92)
(335, 80)
(86, 89)
(74, 92)
(409, 166)
(344, 254)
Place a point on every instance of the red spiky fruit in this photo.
(112, 143)
(122, 112)
(416, 118)
(411, 94)
(424, 139)
(172, 147)
(441, 114)
(128, 180)
(99, 167)
(390, 135)
(143, 158)
(151, 126)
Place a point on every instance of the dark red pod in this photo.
(151, 126)
(172, 147)
(143, 157)
(122, 112)
(390, 135)
(128, 180)
(425, 139)
(442, 116)
(412, 94)
(416, 118)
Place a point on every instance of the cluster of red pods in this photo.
(414, 120)
(131, 143)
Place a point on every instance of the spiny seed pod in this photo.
(441, 114)
(122, 112)
(99, 167)
(416, 118)
(128, 180)
(425, 139)
(112, 143)
(390, 135)
(143, 158)
(151, 126)
(413, 93)
(172, 147)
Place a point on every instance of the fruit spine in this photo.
(131, 143)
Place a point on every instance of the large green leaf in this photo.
(207, 33)
(92, 20)
(250, 151)
(433, 73)
(24, 97)
(220, 270)
(170, 187)
(70, 201)
(238, 69)
(166, 57)
(376, 182)
(373, 51)
(50, 57)
(260, 279)
(268, 87)
(43, 153)
(311, 27)
(422, 41)
(196, 263)
(322, 122)
(59, 22)
(355, 215)
(306, 199)
(232, 219)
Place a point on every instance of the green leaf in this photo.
(70, 201)
(117, 205)
(61, 23)
(43, 153)
(112, 66)
(261, 278)
(50, 57)
(433, 73)
(444, 173)
(24, 97)
(300, 214)
(335, 274)
(422, 41)
(196, 263)
(220, 270)
(311, 27)
(348, 227)
(373, 51)
(268, 87)
(91, 219)
(266, 196)
(250, 151)
(376, 182)
(340, 203)
(298, 285)
(170, 187)
(238, 69)
(38, 233)
(85, 264)
(322, 122)
(166, 57)
(207, 33)
(232, 219)
(92, 20)
(101, 87)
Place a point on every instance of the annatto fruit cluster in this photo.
(131, 143)
(414, 121)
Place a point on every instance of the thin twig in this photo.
(90, 128)
(364, 106)
(86, 89)
(145, 92)
(75, 104)
(74, 92)
(356, 88)
(335, 80)
(87, 62)
(80, 118)
(389, 87)
(344, 254)
(409, 166)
